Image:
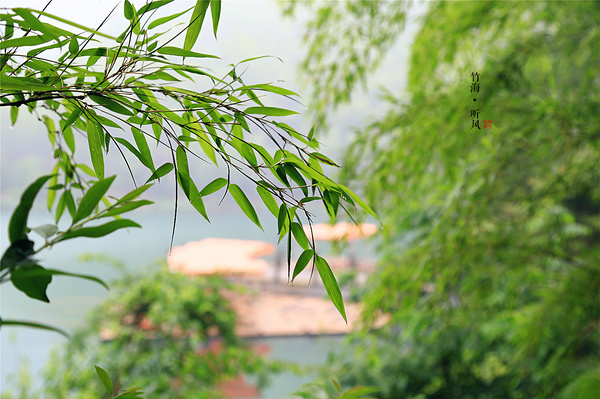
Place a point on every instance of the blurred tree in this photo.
(333, 67)
(490, 261)
(330, 390)
(170, 333)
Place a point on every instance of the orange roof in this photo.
(220, 256)
(339, 231)
(271, 314)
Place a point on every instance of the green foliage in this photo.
(331, 390)
(123, 93)
(330, 284)
(490, 269)
(335, 68)
(134, 392)
(586, 386)
(170, 333)
(17, 262)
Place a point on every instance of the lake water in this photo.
(136, 248)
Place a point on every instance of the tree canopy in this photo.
(489, 266)
(170, 333)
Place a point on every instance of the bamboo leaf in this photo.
(129, 206)
(166, 19)
(14, 112)
(279, 172)
(193, 30)
(105, 378)
(187, 184)
(17, 228)
(183, 171)
(29, 280)
(111, 104)
(60, 207)
(239, 118)
(269, 111)
(20, 83)
(92, 198)
(310, 199)
(73, 45)
(51, 129)
(86, 169)
(53, 182)
(215, 10)
(142, 145)
(269, 88)
(95, 139)
(92, 60)
(263, 154)
(213, 186)
(9, 30)
(331, 285)
(24, 42)
(336, 385)
(291, 171)
(133, 194)
(95, 52)
(147, 163)
(83, 276)
(67, 133)
(358, 200)
(102, 121)
(248, 154)
(161, 171)
(311, 173)
(331, 200)
(168, 50)
(16, 254)
(128, 10)
(291, 213)
(66, 200)
(311, 134)
(300, 236)
(204, 142)
(99, 231)
(268, 200)
(35, 23)
(282, 218)
(302, 261)
(131, 393)
(258, 58)
(323, 158)
(34, 52)
(161, 75)
(244, 204)
(153, 5)
(292, 132)
(289, 255)
(33, 325)
(198, 203)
